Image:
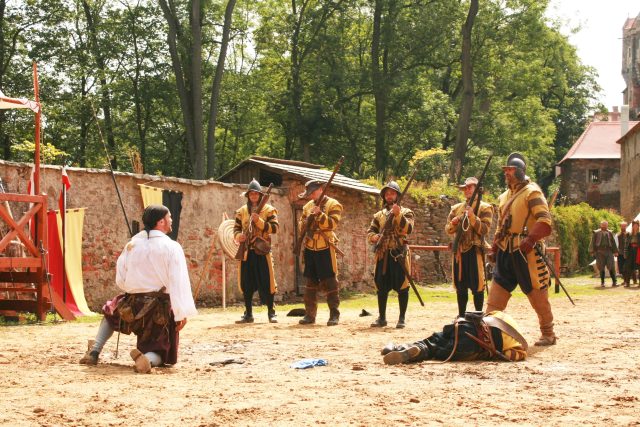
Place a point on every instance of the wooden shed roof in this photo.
(302, 170)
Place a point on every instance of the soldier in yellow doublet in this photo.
(255, 270)
(390, 274)
(468, 262)
(523, 221)
(320, 264)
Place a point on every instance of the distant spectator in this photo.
(631, 254)
(603, 246)
(622, 243)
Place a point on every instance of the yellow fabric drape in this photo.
(150, 195)
(74, 220)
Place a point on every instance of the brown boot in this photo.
(310, 303)
(498, 298)
(539, 300)
(333, 300)
(403, 356)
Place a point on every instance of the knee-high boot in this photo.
(478, 300)
(539, 299)
(333, 300)
(382, 309)
(310, 302)
(498, 298)
(602, 277)
(403, 302)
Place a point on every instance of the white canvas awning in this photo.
(8, 103)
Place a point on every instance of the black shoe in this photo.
(245, 319)
(379, 323)
(333, 321)
(306, 320)
(400, 324)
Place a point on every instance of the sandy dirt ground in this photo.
(590, 377)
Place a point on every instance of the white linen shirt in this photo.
(148, 264)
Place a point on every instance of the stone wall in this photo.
(577, 186)
(630, 174)
(204, 202)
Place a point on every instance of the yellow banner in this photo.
(150, 195)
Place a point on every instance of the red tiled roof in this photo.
(598, 141)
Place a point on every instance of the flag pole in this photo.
(63, 216)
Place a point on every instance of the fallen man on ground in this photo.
(476, 336)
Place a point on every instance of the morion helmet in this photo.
(516, 160)
(392, 185)
(254, 185)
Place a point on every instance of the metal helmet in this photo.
(392, 185)
(254, 185)
(516, 160)
(310, 187)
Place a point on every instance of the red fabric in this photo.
(54, 262)
(637, 257)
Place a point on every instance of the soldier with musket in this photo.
(253, 230)
(389, 273)
(468, 261)
(320, 263)
(523, 221)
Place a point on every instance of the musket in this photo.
(476, 192)
(248, 234)
(113, 176)
(553, 271)
(408, 276)
(311, 219)
(382, 243)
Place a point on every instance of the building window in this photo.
(594, 176)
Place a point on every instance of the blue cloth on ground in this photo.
(309, 363)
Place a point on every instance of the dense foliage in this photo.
(379, 81)
(574, 226)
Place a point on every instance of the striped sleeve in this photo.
(237, 226)
(404, 222)
(485, 215)
(328, 221)
(538, 207)
(374, 228)
(450, 228)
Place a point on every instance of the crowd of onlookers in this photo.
(605, 246)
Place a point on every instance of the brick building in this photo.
(590, 171)
(630, 173)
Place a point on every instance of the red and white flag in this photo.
(67, 185)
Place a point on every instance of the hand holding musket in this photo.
(245, 238)
(311, 221)
(476, 194)
(382, 242)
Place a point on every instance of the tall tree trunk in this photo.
(464, 120)
(188, 74)
(296, 84)
(215, 90)
(102, 77)
(379, 86)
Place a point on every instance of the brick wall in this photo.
(630, 175)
